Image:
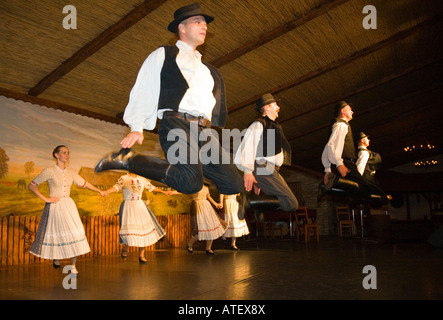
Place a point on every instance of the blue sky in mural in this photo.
(30, 132)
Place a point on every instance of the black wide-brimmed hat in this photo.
(363, 135)
(186, 12)
(340, 105)
(264, 100)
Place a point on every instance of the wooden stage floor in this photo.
(280, 269)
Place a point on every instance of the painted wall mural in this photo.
(29, 133)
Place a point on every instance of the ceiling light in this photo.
(425, 164)
(422, 147)
(422, 151)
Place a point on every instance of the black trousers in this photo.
(273, 184)
(195, 153)
(367, 187)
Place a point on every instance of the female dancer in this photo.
(205, 222)
(138, 225)
(236, 227)
(60, 234)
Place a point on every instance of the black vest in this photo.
(281, 144)
(348, 148)
(173, 87)
(374, 162)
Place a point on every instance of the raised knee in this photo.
(191, 188)
(292, 205)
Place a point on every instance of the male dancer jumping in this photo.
(188, 96)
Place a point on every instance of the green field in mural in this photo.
(18, 200)
(30, 132)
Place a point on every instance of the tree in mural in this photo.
(4, 168)
(29, 168)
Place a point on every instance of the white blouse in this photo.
(59, 181)
(133, 187)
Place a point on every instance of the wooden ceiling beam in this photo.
(388, 145)
(58, 106)
(96, 44)
(437, 64)
(391, 147)
(341, 62)
(278, 32)
(410, 95)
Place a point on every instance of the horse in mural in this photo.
(21, 184)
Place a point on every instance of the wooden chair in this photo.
(275, 220)
(272, 227)
(344, 220)
(305, 225)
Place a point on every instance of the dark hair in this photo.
(57, 150)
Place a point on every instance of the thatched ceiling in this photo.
(309, 53)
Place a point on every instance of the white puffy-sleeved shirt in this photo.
(246, 154)
(362, 160)
(133, 186)
(59, 181)
(332, 153)
(142, 109)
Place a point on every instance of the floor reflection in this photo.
(261, 270)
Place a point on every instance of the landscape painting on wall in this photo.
(30, 132)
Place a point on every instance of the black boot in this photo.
(263, 202)
(348, 185)
(149, 167)
(377, 201)
(337, 182)
(145, 166)
(255, 202)
(115, 161)
(321, 192)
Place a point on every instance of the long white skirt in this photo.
(236, 227)
(210, 225)
(138, 227)
(60, 233)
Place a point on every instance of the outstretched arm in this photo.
(93, 188)
(168, 193)
(221, 200)
(217, 205)
(111, 190)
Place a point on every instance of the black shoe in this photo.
(377, 201)
(210, 252)
(142, 260)
(56, 266)
(124, 254)
(234, 248)
(190, 249)
(115, 161)
(321, 192)
(332, 178)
